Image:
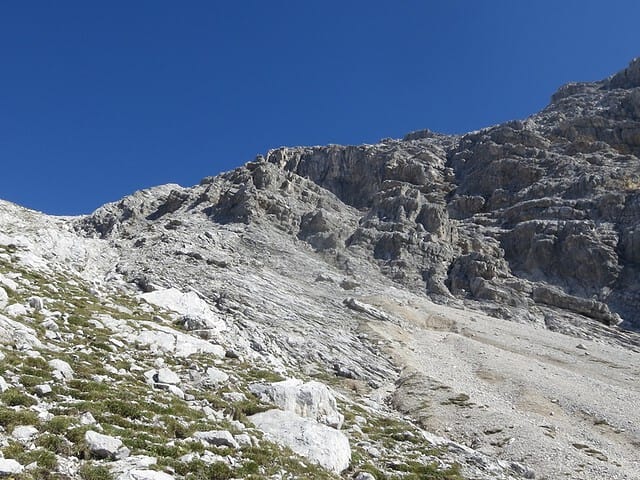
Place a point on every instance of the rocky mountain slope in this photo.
(433, 307)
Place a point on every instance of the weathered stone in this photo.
(9, 467)
(42, 390)
(217, 438)
(145, 475)
(215, 376)
(312, 399)
(188, 304)
(166, 375)
(364, 476)
(319, 443)
(62, 369)
(102, 446)
(4, 298)
(24, 433)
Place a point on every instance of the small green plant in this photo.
(55, 444)
(14, 398)
(58, 424)
(94, 472)
(10, 418)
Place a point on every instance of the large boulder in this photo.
(188, 304)
(164, 339)
(61, 369)
(9, 467)
(17, 335)
(102, 446)
(312, 399)
(321, 444)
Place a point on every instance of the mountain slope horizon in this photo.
(435, 306)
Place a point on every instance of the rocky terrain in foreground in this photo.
(436, 307)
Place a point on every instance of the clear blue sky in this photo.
(98, 99)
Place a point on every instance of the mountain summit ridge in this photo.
(466, 304)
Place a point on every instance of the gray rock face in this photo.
(488, 217)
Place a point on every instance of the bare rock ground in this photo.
(568, 408)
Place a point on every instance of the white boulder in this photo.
(43, 389)
(102, 446)
(62, 368)
(216, 376)
(188, 304)
(166, 375)
(17, 335)
(319, 443)
(8, 284)
(311, 400)
(24, 433)
(160, 338)
(16, 310)
(9, 467)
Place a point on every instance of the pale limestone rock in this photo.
(43, 389)
(4, 298)
(216, 437)
(8, 283)
(24, 433)
(319, 443)
(9, 467)
(87, 419)
(102, 446)
(62, 368)
(163, 339)
(16, 310)
(16, 334)
(189, 304)
(364, 476)
(312, 399)
(216, 376)
(166, 375)
(145, 475)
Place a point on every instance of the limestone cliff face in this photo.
(534, 219)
